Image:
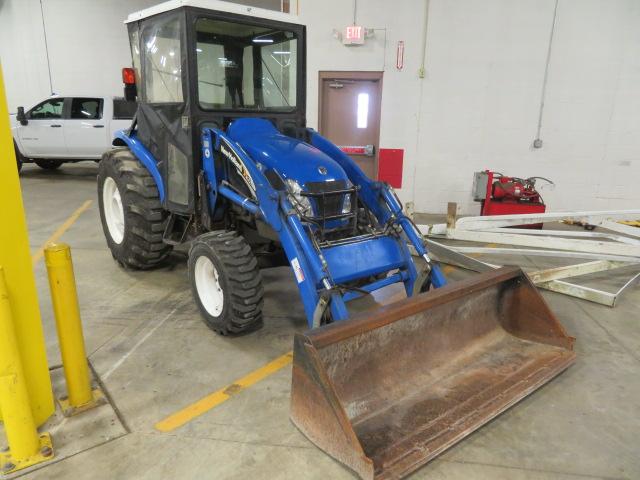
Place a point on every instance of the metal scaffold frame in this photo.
(610, 250)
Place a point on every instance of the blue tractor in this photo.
(219, 156)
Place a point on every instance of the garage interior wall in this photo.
(477, 106)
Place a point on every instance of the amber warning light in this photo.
(128, 76)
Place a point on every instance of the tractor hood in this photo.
(289, 157)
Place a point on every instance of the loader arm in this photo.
(381, 199)
(320, 272)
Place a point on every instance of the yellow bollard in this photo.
(15, 258)
(26, 447)
(62, 283)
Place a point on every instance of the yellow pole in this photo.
(25, 445)
(67, 312)
(14, 398)
(15, 257)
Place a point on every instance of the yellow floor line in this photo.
(216, 398)
(37, 256)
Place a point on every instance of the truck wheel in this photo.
(19, 157)
(48, 164)
(226, 282)
(132, 216)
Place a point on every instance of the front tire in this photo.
(49, 164)
(131, 213)
(226, 282)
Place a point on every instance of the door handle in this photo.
(367, 150)
(56, 126)
(98, 126)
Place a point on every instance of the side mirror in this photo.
(130, 93)
(21, 117)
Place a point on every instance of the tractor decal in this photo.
(233, 157)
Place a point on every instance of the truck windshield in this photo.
(244, 67)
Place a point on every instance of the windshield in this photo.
(243, 67)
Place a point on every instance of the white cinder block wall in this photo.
(476, 108)
(478, 105)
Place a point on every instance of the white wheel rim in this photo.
(113, 211)
(208, 286)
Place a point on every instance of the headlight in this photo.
(303, 203)
(346, 205)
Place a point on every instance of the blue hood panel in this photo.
(289, 157)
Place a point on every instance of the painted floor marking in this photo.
(37, 256)
(218, 397)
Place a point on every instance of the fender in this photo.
(13, 123)
(18, 144)
(142, 154)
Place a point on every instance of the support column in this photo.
(15, 258)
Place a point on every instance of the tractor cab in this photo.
(195, 68)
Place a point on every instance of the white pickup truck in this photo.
(66, 128)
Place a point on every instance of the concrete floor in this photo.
(154, 355)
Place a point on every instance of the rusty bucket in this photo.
(385, 392)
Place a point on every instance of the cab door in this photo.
(85, 129)
(43, 135)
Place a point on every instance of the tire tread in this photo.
(240, 269)
(143, 247)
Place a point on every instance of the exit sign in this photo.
(353, 35)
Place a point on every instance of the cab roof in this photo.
(215, 5)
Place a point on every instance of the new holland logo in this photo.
(242, 170)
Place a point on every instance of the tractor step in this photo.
(176, 229)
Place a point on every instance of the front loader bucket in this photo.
(385, 392)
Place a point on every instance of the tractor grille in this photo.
(328, 201)
(327, 198)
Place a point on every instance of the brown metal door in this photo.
(350, 115)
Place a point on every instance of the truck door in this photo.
(85, 130)
(43, 135)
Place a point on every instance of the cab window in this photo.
(163, 61)
(49, 109)
(86, 109)
(245, 67)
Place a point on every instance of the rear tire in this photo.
(226, 282)
(132, 216)
(49, 164)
